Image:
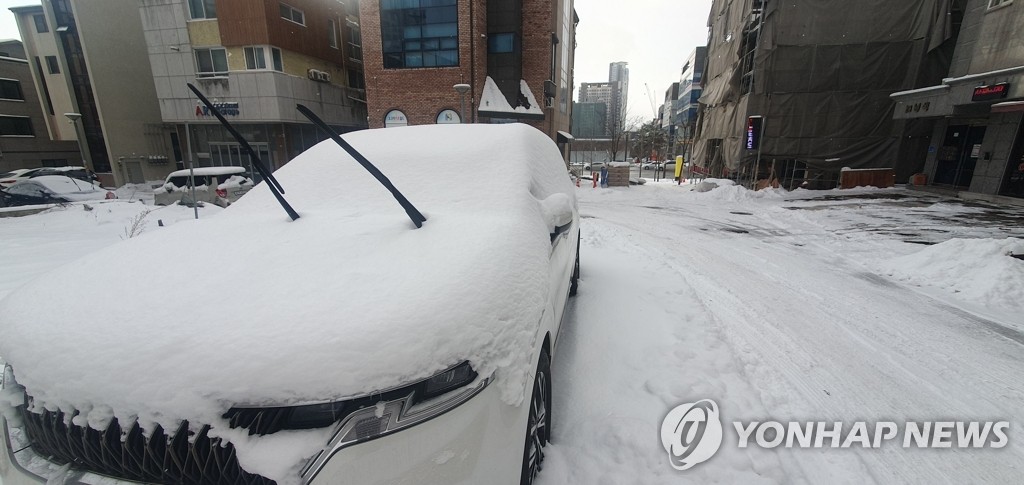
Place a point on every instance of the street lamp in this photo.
(462, 89)
(80, 134)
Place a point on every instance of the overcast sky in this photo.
(654, 36)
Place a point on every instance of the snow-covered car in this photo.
(9, 178)
(51, 189)
(77, 172)
(227, 183)
(359, 348)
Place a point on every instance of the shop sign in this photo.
(754, 124)
(395, 118)
(226, 109)
(448, 116)
(918, 107)
(990, 93)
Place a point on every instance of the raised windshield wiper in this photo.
(275, 187)
(414, 214)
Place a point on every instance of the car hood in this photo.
(247, 307)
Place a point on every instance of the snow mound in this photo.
(728, 191)
(978, 270)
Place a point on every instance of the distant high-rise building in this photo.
(589, 120)
(612, 93)
(689, 94)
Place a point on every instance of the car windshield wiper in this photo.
(275, 187)
(415, 215)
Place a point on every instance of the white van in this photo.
(215, 185)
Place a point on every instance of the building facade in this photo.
(102, 74)
(689, 97)
(589, 120)
(255, 60)
(976, 112)
(603, 93)
(25, 140)
(801, 89)
(514, 58)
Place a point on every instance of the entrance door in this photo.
(959, 155)
(1013, 181)
(233, 155)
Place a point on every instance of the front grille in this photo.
(181, 458)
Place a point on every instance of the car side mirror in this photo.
(558, 215)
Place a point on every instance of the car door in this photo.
(561, 262)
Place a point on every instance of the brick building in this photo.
(516, 57)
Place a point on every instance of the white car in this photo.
(9, 178)
(358, 348)
(216, 185)
(51, 189)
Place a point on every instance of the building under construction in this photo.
(794, 91)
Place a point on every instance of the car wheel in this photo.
(538, 425)
(574, 282)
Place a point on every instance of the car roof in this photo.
(200, 171)
(60, 184)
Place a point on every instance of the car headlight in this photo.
(267, 420)
(390, 411)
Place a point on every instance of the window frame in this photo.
(207, 6)
(28, 120)
(250, 54)
(276, 59)
(410, 44)
(41, 28)
(292, 10)
(17, 84)
(332, 31)
(52, 65)
(215, 73)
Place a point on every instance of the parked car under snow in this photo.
(51, 189)
(358, 348)
(214, 185)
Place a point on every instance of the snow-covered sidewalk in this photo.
(782, 309)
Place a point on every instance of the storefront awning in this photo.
(1008, 107)
(564, 137)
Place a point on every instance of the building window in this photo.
(11, 89)
(202, 9)
(275, 55)
(255, 58)
(289, 12)
(332, 32)
(419, 33)
(15, 126)
(501, 43)
(998, 3)
(51, 65)
(211, 62)
(40, 21)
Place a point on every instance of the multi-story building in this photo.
(689, 95)
(25, 134)
(618, 74)
(803, 91)
(94, 56)
(977, 111)
(603, 93)
(255, 60)
(515, 58)
(589, 120)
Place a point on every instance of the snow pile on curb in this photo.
(977, 270)
(728, 191)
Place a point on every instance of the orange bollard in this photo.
(594, 178)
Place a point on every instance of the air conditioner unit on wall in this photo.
(319, 76)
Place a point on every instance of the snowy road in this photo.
(775, 309)
(806, 306)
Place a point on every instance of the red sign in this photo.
(989, 93)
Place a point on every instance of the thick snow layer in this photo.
(976, 270)
(251, 308)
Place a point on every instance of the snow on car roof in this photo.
(248, 307)
(63, 185)
(208, 171)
